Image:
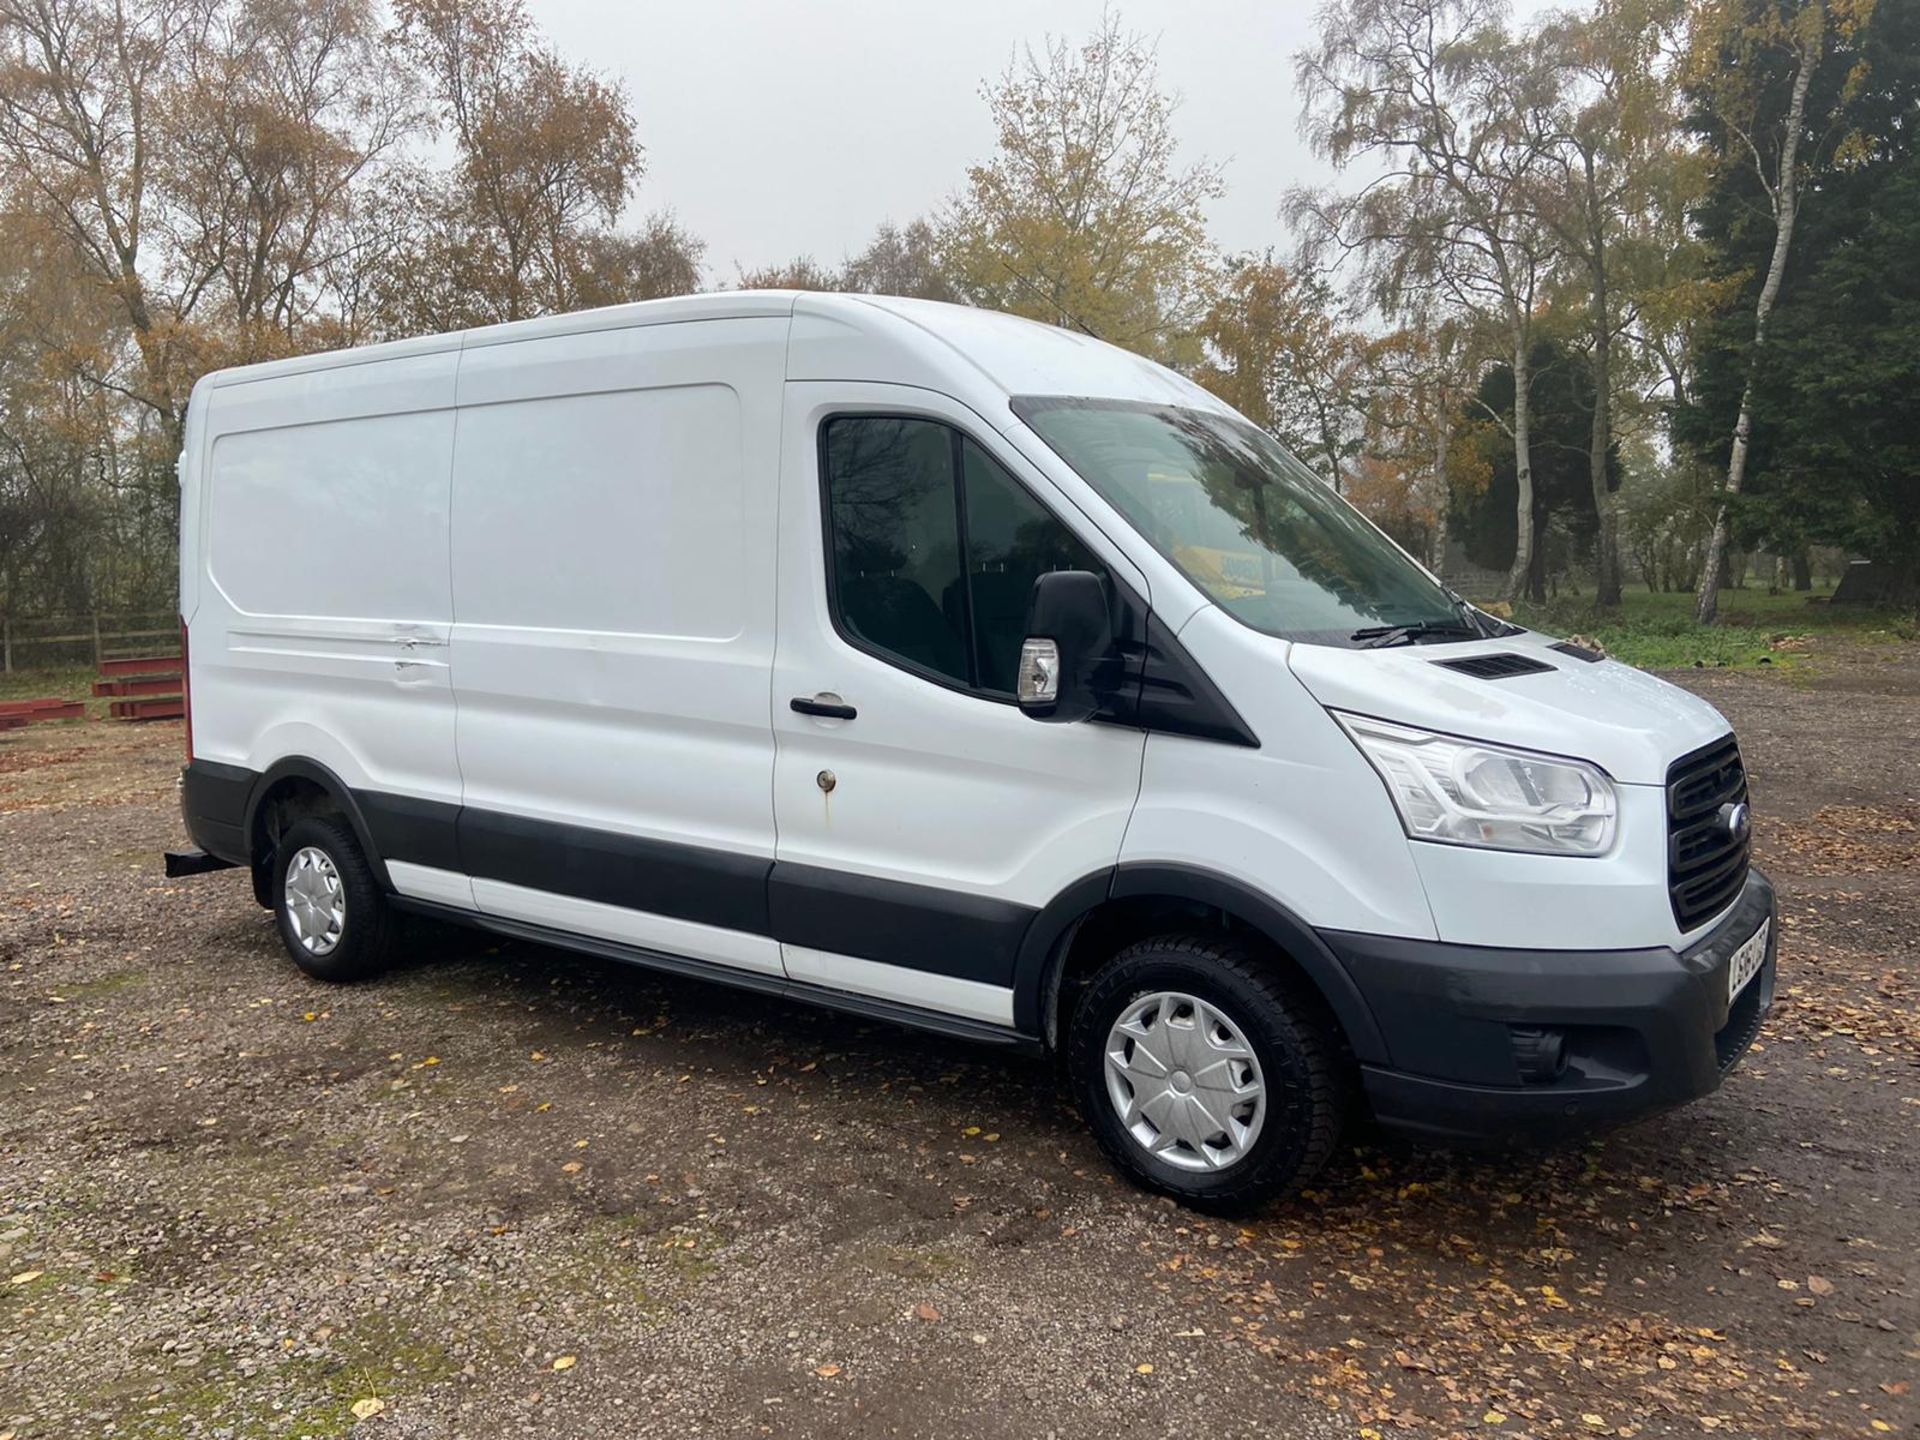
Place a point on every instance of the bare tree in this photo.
(660, 258)
(1607, 138)
(547, 156)
(1776, 164)
(82, 101)
(287, 109)
(1434, 91)
(902, 260)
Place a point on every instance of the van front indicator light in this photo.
(1468, 792)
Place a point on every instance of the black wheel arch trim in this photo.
(296, 767)
(1037, 970)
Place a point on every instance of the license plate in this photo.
(1746, 961)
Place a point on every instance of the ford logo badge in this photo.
(1736, 820)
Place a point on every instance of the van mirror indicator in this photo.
(1039, 672)
(1069, 636)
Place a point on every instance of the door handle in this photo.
(827, 705)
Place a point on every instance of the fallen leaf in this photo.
(925, 1311)
(27, 1276)
(1143, 1369)
(566, 1362)
(368, 1408)
(572, 1167)
(1819, 1284)
(1493, 1417)
(827, 1372)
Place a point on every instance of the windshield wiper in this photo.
(1375, 637)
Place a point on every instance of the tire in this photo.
(348, 941)
(1187, 983)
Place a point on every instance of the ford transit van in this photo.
(942, 667)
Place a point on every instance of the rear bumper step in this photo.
(194, 862)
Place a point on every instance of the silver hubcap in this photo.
(316, 903)
(1184, 1081)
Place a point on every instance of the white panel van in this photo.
(943, 667)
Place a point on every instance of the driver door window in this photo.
(933, 550)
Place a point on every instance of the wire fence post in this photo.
(6, 645)
(97, 653)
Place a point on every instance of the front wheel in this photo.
(1206, 1072)
(332, 917)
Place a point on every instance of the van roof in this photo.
(1011, 354)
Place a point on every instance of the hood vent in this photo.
(1503, 666)
(1578, 652)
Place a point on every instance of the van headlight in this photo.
(1466, 792)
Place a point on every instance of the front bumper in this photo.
(1641, 1030)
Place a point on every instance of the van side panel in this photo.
(613, 557)
(322, 605)
(1303, 820)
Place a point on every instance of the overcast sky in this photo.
(782, 129)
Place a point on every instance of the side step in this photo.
(194, 862)
(956, 1027)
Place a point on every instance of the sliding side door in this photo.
(613, 560)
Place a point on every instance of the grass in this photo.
(66, 682)
(1658, 631)
(69, 682)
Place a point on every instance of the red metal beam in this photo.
(169, 708)
(143, 665)
(145, 685)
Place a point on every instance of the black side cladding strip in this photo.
(917, 927)
(685, 882)
(419, 832)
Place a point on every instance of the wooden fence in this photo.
(52, 642)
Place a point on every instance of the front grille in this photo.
(1706, 863)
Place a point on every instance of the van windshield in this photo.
(1266, 540)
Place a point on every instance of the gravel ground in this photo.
(510, 1191)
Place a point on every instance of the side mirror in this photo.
(1069, 637)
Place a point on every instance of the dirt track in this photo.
(513, 1191)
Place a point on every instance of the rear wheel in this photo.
(1206, 1072)
(332, 917)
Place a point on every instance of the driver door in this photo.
(922, 820)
